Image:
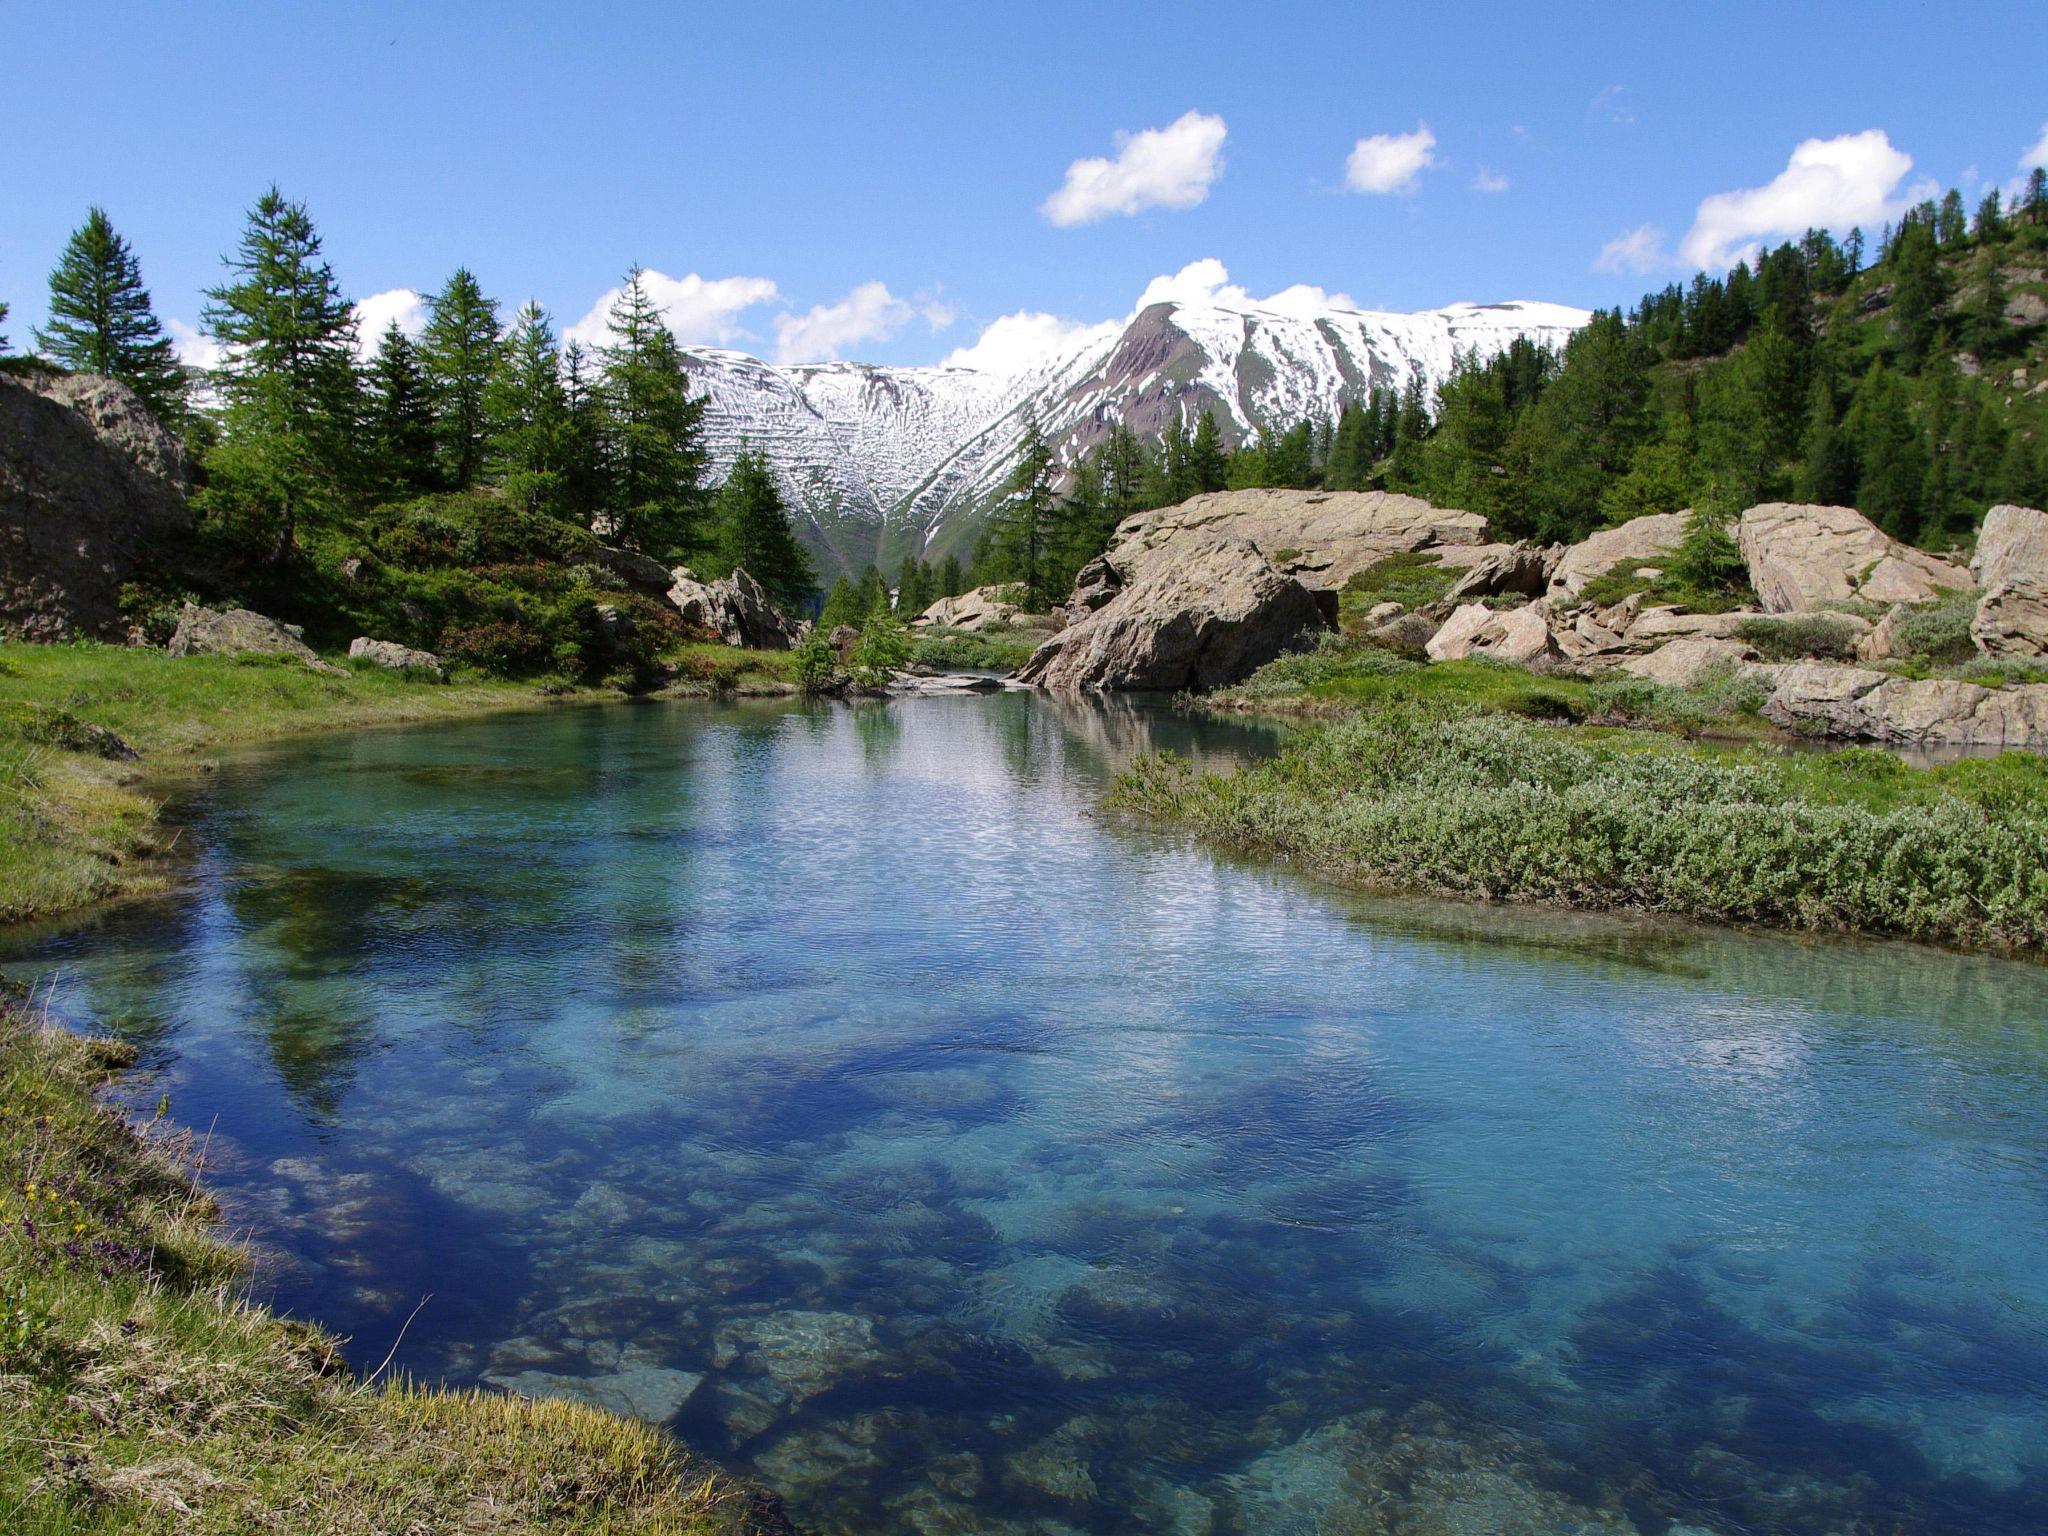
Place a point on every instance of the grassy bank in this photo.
(140, 1392)
(1430, 795)
(74, 828)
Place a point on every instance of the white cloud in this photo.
(2038, 155)
(1489, 181)
(1199, 282)
(1390, 162)
(1640, 250)
(195, 349)
(1014, 343)
(869, 313)
(375, 314)
(1827, 184)
(1611, 105)
(700, 311)
(1170, 167)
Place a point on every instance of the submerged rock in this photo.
(652, 1393)
(803, 1353)
(1192, 613)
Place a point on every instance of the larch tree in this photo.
(459, 349)
(101, 320)
(526, 414)
(754, 532)
(653, 429)
(1024, 524)
(400, 418)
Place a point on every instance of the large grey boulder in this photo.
(1519, 635)
(1195, 613)
(1321, 538)
(2011, 564)
(1507, 570)
(1861, 703)
(1803, 557)
(241, 632)
(735, 608)
(1686, 663)
(87, 479)
(981, 608)
(1648, 540)
(399, 658)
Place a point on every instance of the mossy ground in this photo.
(141, 1391)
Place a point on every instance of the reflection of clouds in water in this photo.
(836, 1080)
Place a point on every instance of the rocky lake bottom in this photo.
(839, 1086)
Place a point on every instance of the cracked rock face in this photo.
(1861, 703)
(1193, 613)
(87, 478)
(2012, 565)
(1807, 557)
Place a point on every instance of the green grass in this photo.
(141, 1392)
(1440, 796)
(707, 667)
(74, 828)
(973, 651)
(1412, 580)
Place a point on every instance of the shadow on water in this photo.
(832, 1083)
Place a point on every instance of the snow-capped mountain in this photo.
(891, 460)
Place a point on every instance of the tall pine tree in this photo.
(459, 350)
(526, 414)
(754, 533)
(101, 320)
(400, 419)
(1024, 525)
(653, 430)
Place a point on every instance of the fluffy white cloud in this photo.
(1828, 184)
(1014, 343)
(195, 349)
(1390, 162)
(869, 313)
(1170, 167)
(375, 314)
(1640, 250)
(1489, 181)
(700, 311)
(2038, 155)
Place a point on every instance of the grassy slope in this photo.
(1446, 796)
(139, 1392)
(73, 826)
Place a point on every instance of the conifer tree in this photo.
(1985, 327)
(101, 320)
(913, 587)
(1891, 457)
(952, 580)
(1990, 228)
(583, 491)
(1919, 290)
(884, 648)
(754, 532)
(653, 429)
(1208, 462)
(1827, 469)
(1023, 527)
(3, 334)
(842, 606)
(459, 349)
(2035, 199)
(400, 419)
(1950, 228)
(526, 414)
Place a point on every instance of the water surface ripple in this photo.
(838, 1086)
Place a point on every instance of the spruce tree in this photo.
(526, 414)
(1990, 228)
(1891, 455)
(1208, 462)
(653, 429)
(101, 320)
(1985, 327)
(1950, 227)
(583, 488)
(400, 419)
(1919, 292)
(459, 350)
(1827, 468)
(1023, 526)
(952, 580)
(754, 532)
(913, 587)
(842, 606)
(3, 334)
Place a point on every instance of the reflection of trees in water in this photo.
(880, 732)
(1113, 729)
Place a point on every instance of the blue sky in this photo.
(883, 181)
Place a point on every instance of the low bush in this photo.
(1413, 580)
(1808, 637)
(973, 651)
(1442, 797)
(1938, 633)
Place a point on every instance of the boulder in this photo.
(735, 608)
(2012, 564)
(1652, 627)
(1094, 585)
(400, 658)
(843, 639)
(1860, 703)
(982, 608)
(1408, 634)
(635, 569)
(1520, 635)
(1807, 556)
(1321, 538)
(1688, 662)
(1640, 539)
(1522, 568)
(1192, 613)
(87, 479)
(240, 632)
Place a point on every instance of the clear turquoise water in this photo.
(838, 1085)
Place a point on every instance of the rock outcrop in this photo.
(1190, 612)
(1520, 635)
(241, 632)
(735, 608)
(1646, 540)
(87, 479)
(1511, 569)
(1807, 557)
(1321, 538)
(1860, 703)
(2011, 564)
(1689, 662)
(982, 608)
(400, 658)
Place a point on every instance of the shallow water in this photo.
(839, 1086)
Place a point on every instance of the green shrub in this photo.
(973, 651)
(1334, 659)
(1939, 632)
(1812, 637)
(1413, 580)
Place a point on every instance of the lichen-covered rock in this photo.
(1522, 568)
(1809, 556)
(982, 608)
(1520, 635)
(1321, 538)
(735, 608)
(1640, 539)
(87, 478)
(1686, 663)
(1655, 626)
(1191, 613)
(241, 632)
(2012, 564)
(1860, 703)
(400, 658)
